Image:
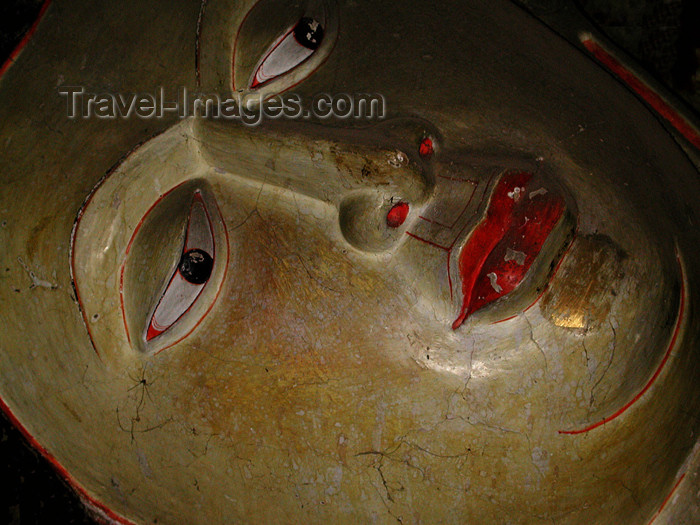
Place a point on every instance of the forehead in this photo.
(488, 75)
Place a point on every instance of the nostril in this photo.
(426, 148)
(371, 221)
(397, 215)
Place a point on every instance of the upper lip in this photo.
(521, 214)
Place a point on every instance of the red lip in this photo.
(503, 246)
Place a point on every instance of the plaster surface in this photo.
(321, 374)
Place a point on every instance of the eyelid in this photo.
(290, 50)
(181, 293)
(268, 59)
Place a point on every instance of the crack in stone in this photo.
(532, 338)
(607, 367)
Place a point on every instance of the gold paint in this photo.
(581, 293)
(570, 321)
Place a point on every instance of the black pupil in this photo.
(309, 33)
(195, 266)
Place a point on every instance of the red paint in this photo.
(513, 221)
(637, 85)
(60, 469)
(668, 498)
(235, 46)
(448, 249)
(255, 82)
(431, 243)
(152, 332)
(461, 214)
(449, 277)
(397, 215)
(435, 245)
(25, 39)
(546, 286)
(672, 343)
(441, 224)
(431, 221)
(221, 284)
(506, 319)
(426, 148)
(121, 303)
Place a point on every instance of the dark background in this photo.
(663, 35)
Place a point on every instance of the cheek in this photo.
(296, 310)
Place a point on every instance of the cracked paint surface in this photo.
(325, 385)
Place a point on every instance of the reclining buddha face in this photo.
(477, 309)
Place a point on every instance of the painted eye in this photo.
(296, 45)
(195, 266)
(192, 273)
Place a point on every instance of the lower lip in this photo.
(503, 246)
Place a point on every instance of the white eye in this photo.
(192, 273)
(288, 51)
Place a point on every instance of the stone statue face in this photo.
(477, 309)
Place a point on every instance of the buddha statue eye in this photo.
(192, 272)
(279, 44)
(295, 46)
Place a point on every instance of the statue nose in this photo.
(321, 162)
(375, 176)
